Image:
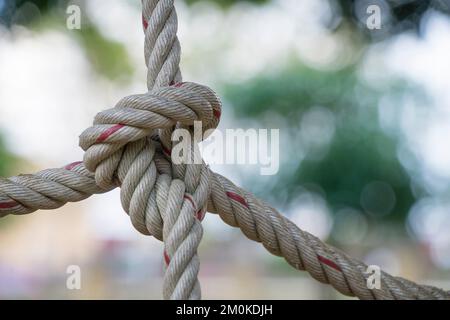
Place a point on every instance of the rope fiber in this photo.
(129, 146)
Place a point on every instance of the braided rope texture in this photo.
(130, 146)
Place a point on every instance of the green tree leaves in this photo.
(352, 168)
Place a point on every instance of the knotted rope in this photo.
(130, 146)
(164, 204)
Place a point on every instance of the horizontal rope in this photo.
(280, 236)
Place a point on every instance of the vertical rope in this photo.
(182, 199)
(161, 48)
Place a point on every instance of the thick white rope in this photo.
(129, 146)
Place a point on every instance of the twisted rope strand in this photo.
(162, 48)
(47, 189)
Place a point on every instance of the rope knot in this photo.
(130, 145)
(125, 147)
(137, 117)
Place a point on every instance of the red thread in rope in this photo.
(189, 198)
(200, 215)
(217, 114)
(329, 263)
(166, 150)
(166, 258)
(238, 198)
(8, 204)
(107, 133)
(72, 165)
(144, 23)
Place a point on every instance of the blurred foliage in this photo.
(359, 151)
(397, 15)
(109, 58)
(9, 9)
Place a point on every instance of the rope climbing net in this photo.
(129, 146)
